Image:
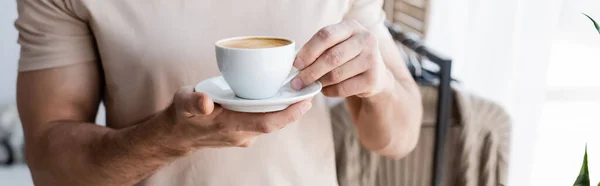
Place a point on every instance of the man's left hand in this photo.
(345, 58)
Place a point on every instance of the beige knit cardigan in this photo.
(476, 148)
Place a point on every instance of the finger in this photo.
(215, 144)
(269, 122)
(200, 104)
(325, 38)
(194, 103)
(277, 120)
(349, 69)
(331, 59)
(240, 139)
(248, 142)
(353, 86)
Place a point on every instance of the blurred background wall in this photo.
(9, 50)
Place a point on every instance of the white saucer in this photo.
(220, 93)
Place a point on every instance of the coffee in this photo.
(254, 43)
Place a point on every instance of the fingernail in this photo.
(305, 107)
(299, 64)
(297, 84)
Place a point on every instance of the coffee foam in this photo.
(254, 43)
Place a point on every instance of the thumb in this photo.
(202, 104)
(194, 103)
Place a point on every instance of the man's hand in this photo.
(364, 67)
(65, 147)
(197, 122)
(345, 58)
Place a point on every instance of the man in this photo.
(141, 57)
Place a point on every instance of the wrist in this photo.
(168, 135)
(386, 93)
(155, 137)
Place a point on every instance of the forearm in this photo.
(388, 123)
(78, 153)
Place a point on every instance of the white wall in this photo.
(501, 49)
(9, 51)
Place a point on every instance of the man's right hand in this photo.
(197, 122)
(65, 147)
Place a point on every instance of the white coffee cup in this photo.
(255, 71)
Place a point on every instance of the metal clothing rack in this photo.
(444, 103)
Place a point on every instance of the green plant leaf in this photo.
(584, 175)
(595, 23)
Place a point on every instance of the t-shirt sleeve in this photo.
(52, 34)
(369, 13)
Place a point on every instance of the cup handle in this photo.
(292, 74)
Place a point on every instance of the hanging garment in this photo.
(476, 153)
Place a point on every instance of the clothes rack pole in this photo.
(444, 105)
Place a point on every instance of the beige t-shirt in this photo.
(149, 49)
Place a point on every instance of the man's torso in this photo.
(149, 49)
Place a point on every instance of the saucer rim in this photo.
(261, 102)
